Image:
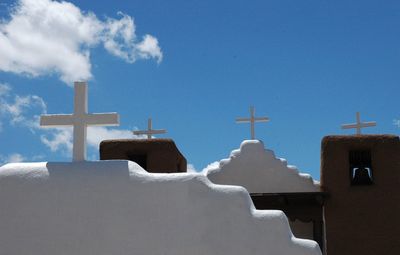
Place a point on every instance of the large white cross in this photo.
(359, 125)
(252, 120)
(80, 120)
(150, 131)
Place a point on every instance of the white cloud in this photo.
(98, 134)
(4, 89)
(60, 139)
(16, 157)
(119, 39)
(19, 108)
(25, 111)
(396, 122)
(191, 168)
(210, 166)
(149, 48)
(44, 37)
(12, 158)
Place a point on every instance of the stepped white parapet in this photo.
(259, 171)
(115, 207)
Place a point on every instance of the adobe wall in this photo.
(361, 219)
(161, 155)
(115, 207)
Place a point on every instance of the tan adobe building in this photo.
(153, 155)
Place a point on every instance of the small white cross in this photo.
(359, 125)
(80, 120)
(252, 120)
(149, 132)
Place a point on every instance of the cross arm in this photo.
(369, 124)
(242, 120)
(56, 120)
(102, 119)
(150, 132)
(348, 126)
(261, 119)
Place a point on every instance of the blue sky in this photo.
(307, 65)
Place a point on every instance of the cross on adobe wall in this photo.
(252, 120)
(150, 131)
(359, 125)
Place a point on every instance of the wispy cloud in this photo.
(396, 122)
(212, 165)
(58, 139)
(18, 109)
(17, 157)
(12, 158)
(191, 168)
(98, 134)
(4, 89)
(119, 39)
(61, 139)
(45, 37)
(25, 111)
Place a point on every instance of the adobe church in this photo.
(354, 210)
(114, 206)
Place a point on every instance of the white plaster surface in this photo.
(115, 207)
(259, 171)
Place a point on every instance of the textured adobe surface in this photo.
(154, 155)
(260, 171)
(115, 207)
(361, 219)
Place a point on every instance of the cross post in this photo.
(359, 125)
(252, 120)
(150, 131)
(80, 120)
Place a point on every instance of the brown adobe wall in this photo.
(154, 155)
(361, 219)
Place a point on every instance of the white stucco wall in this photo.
(115, 207)
(259, 171)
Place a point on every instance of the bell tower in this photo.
(361, 174)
